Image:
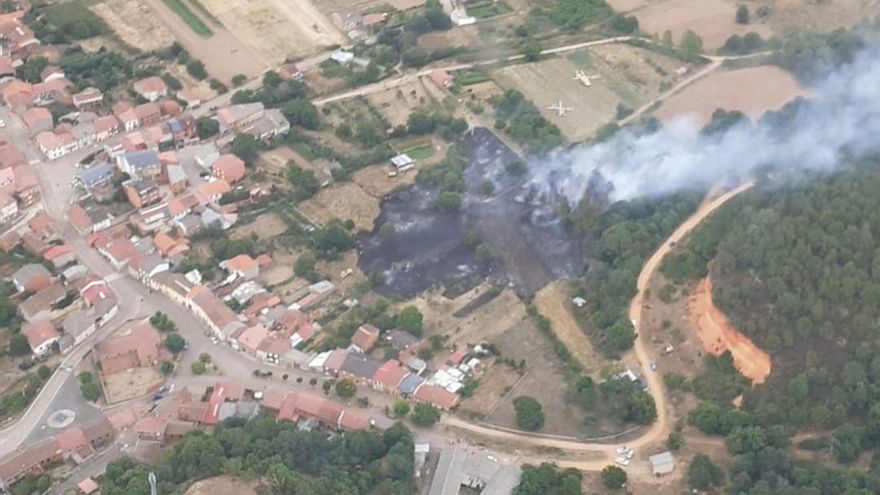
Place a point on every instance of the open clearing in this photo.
(619, 74)
(544, 380)
(713, 20)
(222, 485)
(343, 201)
(482, 324)
(753, 91)
(396, 104)
(129, 384)
(495, 383)
(812, 15)
(267, 226)
(276, 29)
(553, 302)
(134, 23)
(223, 54)
(718, 335)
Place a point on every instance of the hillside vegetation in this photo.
(283, 457)
(797, 269)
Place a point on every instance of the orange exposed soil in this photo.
(718, 335)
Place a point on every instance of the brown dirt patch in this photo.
(343, 201)
(713, 20)
(276, 29)
(266, 226)
(553, 302)
(333, 270)
(223, 485)
(483, 324)
(135, 23)
(543, 380)
(396, 104)
(495, 384)
(753, 91)
(718, 335)
(811, 15)
(130, 384)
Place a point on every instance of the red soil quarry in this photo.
(718, 335)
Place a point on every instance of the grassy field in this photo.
(421, 152)
(471, 77)
(189, 17)
(488, 9)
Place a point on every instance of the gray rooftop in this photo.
(361, 365)
(459, 467)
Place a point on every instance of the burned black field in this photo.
(529, 244)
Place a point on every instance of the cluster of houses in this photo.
(60, 301)
(74, 445)
(19, 187)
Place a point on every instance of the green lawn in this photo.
(471, 77)
(189, 17)
(421, 152)
(488, 9)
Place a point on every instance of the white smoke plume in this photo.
(841, 118)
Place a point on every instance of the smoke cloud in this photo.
(842, 118)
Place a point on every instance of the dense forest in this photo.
(281, 456)
(797, 268)
(619, 240)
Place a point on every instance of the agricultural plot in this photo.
(713, 20)
(135, 23)
(129, 384)
(189, 17)
(752, 90)
(343, 201)
(276, 29)
(619, 74)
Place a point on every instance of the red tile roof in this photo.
(39, 332)
(390, 374)
(365, 337)
(437, 396)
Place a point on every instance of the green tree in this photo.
(31, 70)
(246, 147)
(691, 45)
(703, 473)
(301, 112)
(86, 377)
(207, 127)
(44, 372)
(90, 391)
(529, 414)
(675, 441)
(198, 368)
(400, 408)
(238, 79)
(531, 50)
(625, 23)
(742, 15)
(167, 367)
(448, 201)
(175, 343)
(346, 388)
(613, 477)
(304, 267)
(197, 69)
(410, 319)
(387, 231)
(425, 415)
(18, 345)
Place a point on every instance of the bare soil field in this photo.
(713, 20)
(276, 29)
(223, 54)
(553, 302)
(343, 201)
(620, 74)
(267, 226)
(483, 324)
(129, 384)
(135, 23)
(718, 335)
(811, 15)
(753, 91)
(495, 384)
(396, 104)
(374, 180)
(333, 270)
(544, 380)
(222, 485)
(668, 323)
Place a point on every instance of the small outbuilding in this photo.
(662, 463)
(403, 162)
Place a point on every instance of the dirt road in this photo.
(660, 429)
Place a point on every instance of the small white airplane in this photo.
(579, 75)
(560, 109)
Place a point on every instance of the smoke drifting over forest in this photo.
(843, 117)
